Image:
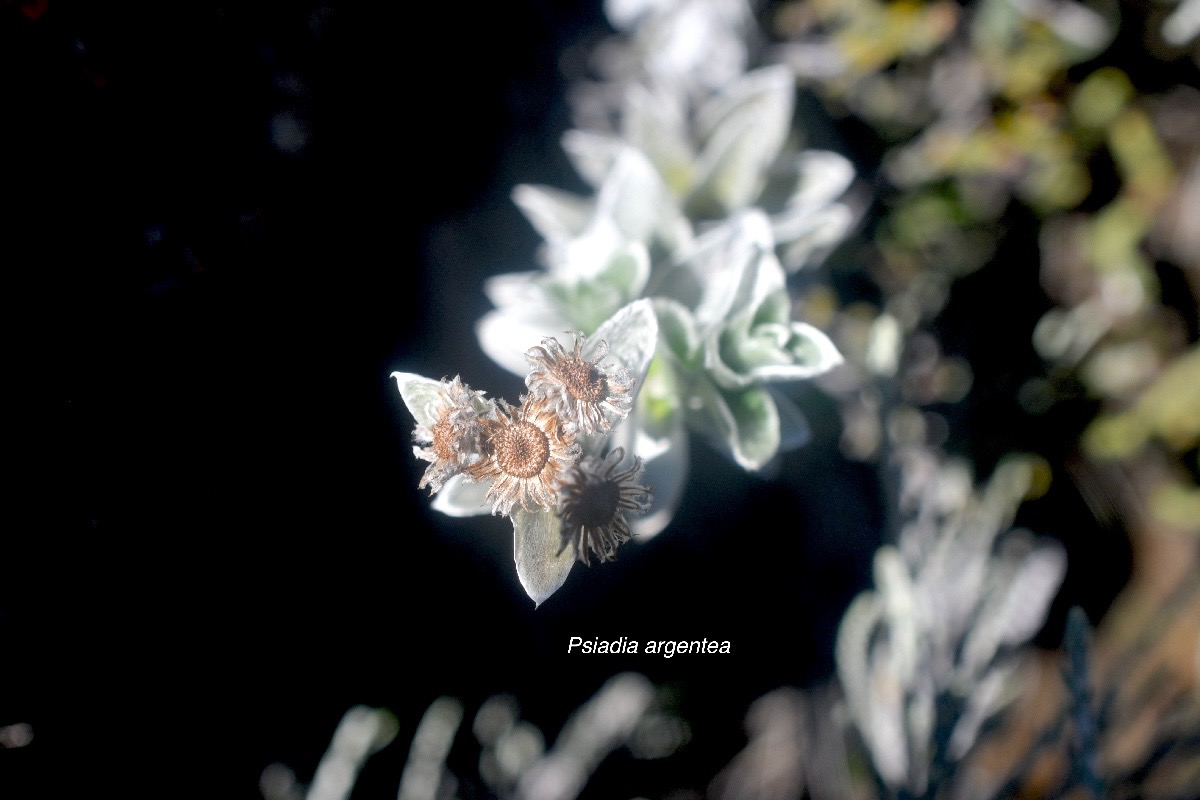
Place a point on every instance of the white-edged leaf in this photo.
(744, 423)
(505, 334)
(726, 262)
(742, 129)
(420, 395)
(658, 127)
(628, 270)
(666, 463)
(633, 195)
(632, 335)
(656, 433)
(808, 236)
(514, 289)
(592, 154)
(462, 498)
(736, 360)
(555, 214)
(677, 328)
(756, 434)
(794, 431)
(822, 176)
(541, 568)
(814, 352)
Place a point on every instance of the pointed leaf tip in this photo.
(420, 395)
(541, 568)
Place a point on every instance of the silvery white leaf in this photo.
(505, 334)
(632, 335)
(633, 195)
(583, 257)
(726, 261)
(462, 498)
(628, 270)
(766, 95)
(813, 351)
(514, 289)
(742, 130)
(822, 176)
(807, 236)
(592, 154)
(657, 127)
(756, 435)
(541, 568)
(988, 695)
(602, 254)
(871, 692)
(666, 474)
(585, 304)
(661, 442)
(744, 421)
(677, 328)
(794, 431)
(897, 594)
(420, 394)
(555, 214)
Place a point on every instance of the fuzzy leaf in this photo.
(633, 195)
(462, 498)
(756, 435)
(524, 314)
(592, 154)
(555, 214)
(584, 304)
(656, 126)
(677, 328)
(745, 422)
(743, 129)
(769, 353)
(808, 236)
(536, 542)
(822, 176)
(655, 432)
(729, 264)
(666, 462)
(632, 335)
(794, 431)
(420, 394)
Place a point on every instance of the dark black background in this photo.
(216, 544)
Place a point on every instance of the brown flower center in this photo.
(522, 449)
(597, 504)
(583, 380)
(444, 441)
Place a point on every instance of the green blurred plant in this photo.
(985, 107)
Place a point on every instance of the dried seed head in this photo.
(594, 500)
(455, 441)
(588, 394)
(522, 449)
(529, 449)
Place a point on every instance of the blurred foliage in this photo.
(1083, 116)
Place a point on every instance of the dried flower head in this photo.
(594, 498)
(455, 441)
(586, 392)
(529, 449)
